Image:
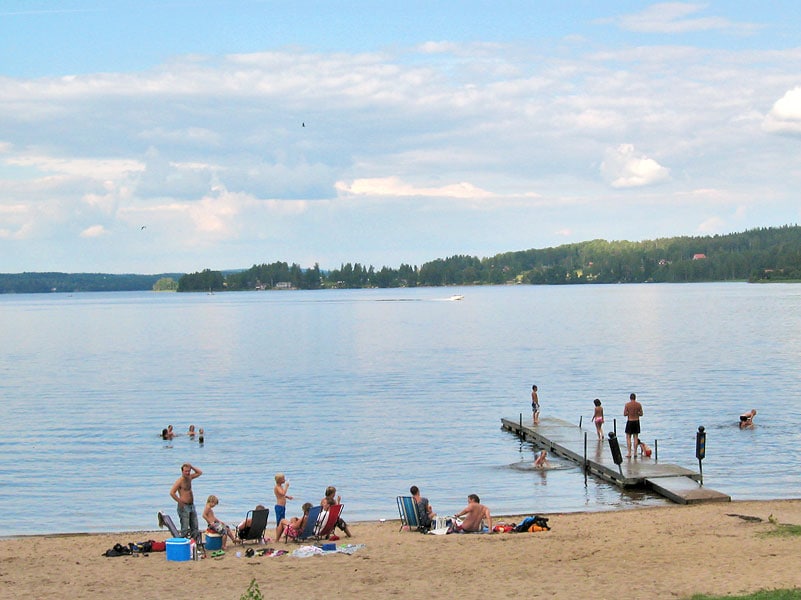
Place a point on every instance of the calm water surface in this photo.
(373, 390)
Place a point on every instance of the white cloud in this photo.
(622, 168)
(393, 186)
(94, 231)
(678, 17)
(98, 168)
(785, 116)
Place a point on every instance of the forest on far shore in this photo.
(765, 254)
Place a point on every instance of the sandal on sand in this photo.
(217, 553)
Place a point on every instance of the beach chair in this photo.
(312, 525)
(166, 521)
(328, 521)
(258, 523)
(407, 508)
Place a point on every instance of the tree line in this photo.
(764, 254)
(35, 283)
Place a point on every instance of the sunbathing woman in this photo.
(294, 526)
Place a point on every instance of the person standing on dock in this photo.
(598, 419)
(535, 406)
(632, 411)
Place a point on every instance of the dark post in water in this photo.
(615, 448)
(700, 450)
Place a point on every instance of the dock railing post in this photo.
(586, 464)
(521, 421)
(700, 450)
(656, 450)
(614, 425)
(580, 418)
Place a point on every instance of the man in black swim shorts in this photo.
(632, 411)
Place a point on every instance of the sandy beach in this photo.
(663, 552)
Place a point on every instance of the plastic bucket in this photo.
(213, 541)
(178, 549)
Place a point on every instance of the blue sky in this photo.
(180, 135)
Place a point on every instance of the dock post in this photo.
(656, 450)
(585, 459)
(521, 421)
(700, 450)
(580, 418)
(614, 425)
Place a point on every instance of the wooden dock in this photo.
(567, 440)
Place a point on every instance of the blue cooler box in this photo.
(213, 541)
(178, 549)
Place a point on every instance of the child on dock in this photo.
(598, 419)
(535, 406)
(645, 449)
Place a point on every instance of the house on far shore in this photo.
(699, 256)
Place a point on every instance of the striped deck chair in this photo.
(328, 521)
(408, 513)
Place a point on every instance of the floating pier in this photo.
(564, 439)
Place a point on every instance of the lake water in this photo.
(375, 390)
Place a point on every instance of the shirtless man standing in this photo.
(474, 513)
(181, 492)
(632, 411)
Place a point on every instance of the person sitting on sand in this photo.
(644, 449)
(294, 526)
(244, 527)
(474, 515)
(214, 524)
(541, 460)
(747, 419)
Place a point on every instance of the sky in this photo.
(175, 136)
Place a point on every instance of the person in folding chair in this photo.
(330, 500)
(293, 527)
(243, 529)
(425, 512)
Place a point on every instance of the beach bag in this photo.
(158, 546)
(118, 550)
(524, 525)
(529, 522)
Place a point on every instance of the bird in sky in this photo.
(143, 227)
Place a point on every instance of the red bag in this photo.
(158, 546)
